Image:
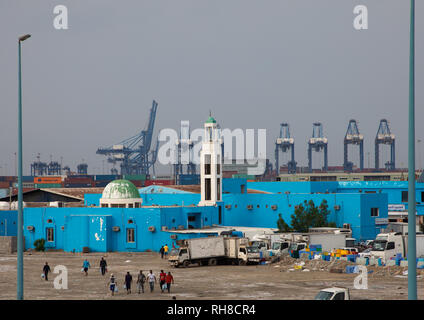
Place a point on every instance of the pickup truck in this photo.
(333, 293)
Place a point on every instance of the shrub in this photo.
(39, 245)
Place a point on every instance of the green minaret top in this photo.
(211, 120)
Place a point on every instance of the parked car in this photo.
(365, 253)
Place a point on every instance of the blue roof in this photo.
(160, 189)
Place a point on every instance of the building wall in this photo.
(8, 223)
(354, 209)
(75, 228)
(393, 189)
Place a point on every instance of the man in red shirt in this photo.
(169, 279)
(162, 279)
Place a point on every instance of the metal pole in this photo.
(20, 276)
(412, 254)
(20, 258)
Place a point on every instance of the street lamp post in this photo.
(20, 267)
(412, 253)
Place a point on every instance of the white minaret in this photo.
(211, 165)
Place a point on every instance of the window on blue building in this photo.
(374, 212)
(49, 234)
(130, 235)
(404, 196)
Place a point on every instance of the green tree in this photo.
(39, 245)
(282, 225)
(307, 215)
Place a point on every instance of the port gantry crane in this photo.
(184, 154)
(134, 153)
(285, 143)
(317, 143)
(384, 136)
(353, 137)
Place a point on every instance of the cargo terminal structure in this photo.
(125, 218)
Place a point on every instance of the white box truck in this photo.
(209, 251)
(388, 245)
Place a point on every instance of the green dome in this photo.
(120, 189)
(211, 120)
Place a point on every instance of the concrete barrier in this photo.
(8, 245)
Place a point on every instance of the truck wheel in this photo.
(241, 262)
(212, 262)
(186, 263)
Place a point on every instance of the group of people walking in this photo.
(165, 279)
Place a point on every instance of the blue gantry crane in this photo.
(134, 153)
(184, 154)
(353, 137)
(384, 136)
(317, 143)
(285, 143)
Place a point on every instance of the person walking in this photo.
(162, 280)
(166, 248)
(141, 279)
(161, 251)
(46, 270)
(103, 265)
(112, 284)
(128, 281)
(152, 280)
(169, 279)
(86, 266)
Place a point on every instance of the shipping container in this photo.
(137, 177)
(48, 179)
(28, 179)
(188, 179)
(81, 176)
(78, 180)
(28, 185)
(137, 183)
(106, 177)
(78, 185)
(101, 184)
(47, 185)
(158, 182)
(4, 184)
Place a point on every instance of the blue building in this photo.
(121, 226)
(8, 223)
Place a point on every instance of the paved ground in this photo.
(219, 282)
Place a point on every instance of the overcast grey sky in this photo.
(254, 63)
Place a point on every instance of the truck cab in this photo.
(253, 254)
(296, 247)
(333, 293)
(178, 255)
(280, 247)
(388, 245)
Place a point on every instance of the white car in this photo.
(366, 253)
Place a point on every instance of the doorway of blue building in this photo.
(194, 220)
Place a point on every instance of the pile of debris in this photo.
(290, 264)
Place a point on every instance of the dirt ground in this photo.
(253, 282)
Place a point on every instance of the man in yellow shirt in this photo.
(166, 248)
